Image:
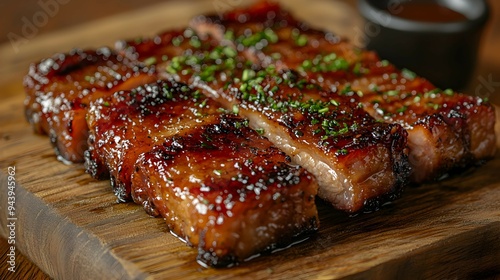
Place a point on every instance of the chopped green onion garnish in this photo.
(301, 40)
(448, 91)
(236, 109)
(247, 75)
(410, 75)
(150, 61)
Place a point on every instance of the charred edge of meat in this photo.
(401, 164)
(208, 258)
(95, 169)
(120, 191)
(33, 117)
(454, 127)
(376, 203)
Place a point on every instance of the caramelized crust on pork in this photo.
(236, 202)
(60, 89)
(128, 123)
(439, 129)
(219, 185)
(357, 161)
(446, 130)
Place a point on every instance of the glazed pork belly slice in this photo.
(375, 167)
(128, 123)
(445, 131)
(59, 90)
(359, 162)
(219, 185)
(239, 198)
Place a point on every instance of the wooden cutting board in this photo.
(72, 227)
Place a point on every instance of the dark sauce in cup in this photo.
(425, 12)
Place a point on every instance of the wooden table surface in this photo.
(75, 16)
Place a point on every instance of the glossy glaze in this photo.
(219, 185)
(440, 123)
(60, 89)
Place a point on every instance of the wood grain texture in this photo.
(71, 226)
(25, 268)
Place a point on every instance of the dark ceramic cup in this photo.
(443, 52)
